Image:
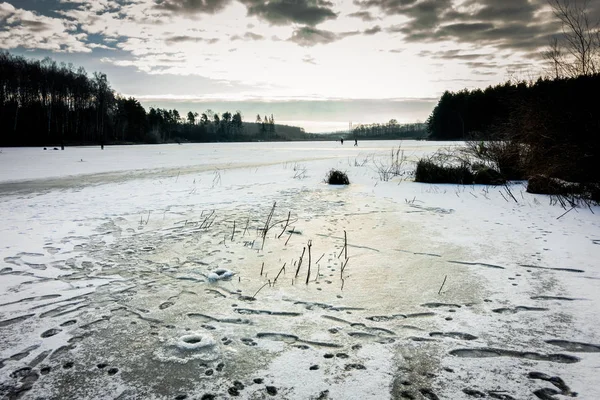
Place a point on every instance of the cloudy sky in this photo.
(314, 63)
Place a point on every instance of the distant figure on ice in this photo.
(342, 140)
(356, 142)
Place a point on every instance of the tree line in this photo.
(389, 131)
(47, 103)
(44, 102)
(549, 126)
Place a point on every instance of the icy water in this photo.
(232, 271)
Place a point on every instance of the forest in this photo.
(548, 127)
(390, 131)
(43, 103)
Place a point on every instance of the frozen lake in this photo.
(110, 285)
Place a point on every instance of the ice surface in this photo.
(106, 270)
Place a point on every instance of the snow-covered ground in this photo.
(108, 286)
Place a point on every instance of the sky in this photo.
(318, 64)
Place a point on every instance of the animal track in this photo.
(474, 393)
(287, 338)
(453, 335)
(477, 264)
(50, 332)
(428, 394)
(517, 309)
(15, 320)
(266, 312)
(575, 347)
(439, 305)
(491, 352)
(349, 367)
(553, 298)
(547, 394)
(208, 318)
(165, 305)
(552, 269)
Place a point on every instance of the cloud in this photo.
(307, 36)
(373, 30)
(453, 55)
(29, 30)
(190, 7)
(35, 26)
(364, 15)
(389, 6)
(481, 64)
(510, 24)
(513, 10)
(423, 14)
(309, 60)
(503, 36)
(248, 36)
(275, 12)
(185, 38)
(285, 12)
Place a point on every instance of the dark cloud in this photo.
(253, 36)
(397, 51)
(276, 12)
(423, 14)
(309, 60)
(503, 36)
(191, 6)
(427, 14)
(373, 30)
(507, 10)
(285, 12)
(508, 24)
(364, 15)
(35, 26)
(484, 73)
(248, 36)
(481, 64)
(453, 55)
(389, 6)
(465, 29)
(185, 38)
(307, 36)
(461, 80)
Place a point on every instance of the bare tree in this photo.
(581, 39)
(555, 55)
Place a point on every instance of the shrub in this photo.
(394, 168)
(543, 184)
(564, 192)
(484, 175)
(506, 156)
(428, 171)
(335, 177)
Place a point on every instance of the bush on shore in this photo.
(336, 177)
(428, 171)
